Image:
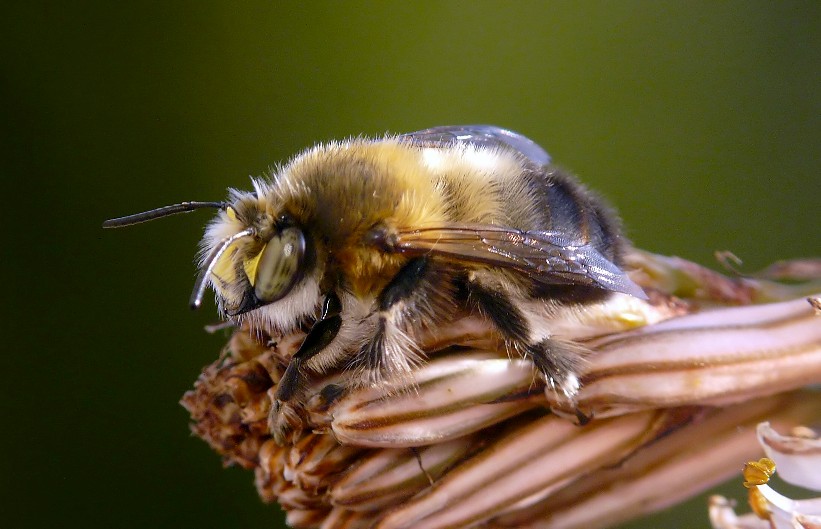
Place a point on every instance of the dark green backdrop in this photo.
(699, 120)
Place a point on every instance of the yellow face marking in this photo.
(224, 269)
(250, 266)
(232, 214)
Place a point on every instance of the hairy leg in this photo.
(558, 361)
(420, 295)
(290, 386)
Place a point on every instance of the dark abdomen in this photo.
(566, 206)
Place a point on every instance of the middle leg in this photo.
(419, 296)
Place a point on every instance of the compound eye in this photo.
(280, 265)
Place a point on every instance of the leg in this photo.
(558, 361)
(419, 295)
(283, 414)
(320, 335)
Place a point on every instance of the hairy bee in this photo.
(367, 242)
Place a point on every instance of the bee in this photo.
(368, 242)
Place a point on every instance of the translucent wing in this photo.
(482, 135)
(545, 256)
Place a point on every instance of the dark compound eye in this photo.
(280, 265)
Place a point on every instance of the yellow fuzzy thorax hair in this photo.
(337, 192)
(342, 190)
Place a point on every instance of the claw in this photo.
(284, 421)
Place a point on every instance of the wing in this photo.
(481, 135)
(548, 257)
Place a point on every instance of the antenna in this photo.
(211, 262)
(165, 211)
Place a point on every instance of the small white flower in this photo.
(797, 459)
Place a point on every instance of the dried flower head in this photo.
(668, 406)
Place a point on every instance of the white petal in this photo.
(797, 459)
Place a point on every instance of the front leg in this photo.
(321, 334)
(290, 386)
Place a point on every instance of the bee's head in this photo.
(250, 255)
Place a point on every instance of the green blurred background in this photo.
(699, 120)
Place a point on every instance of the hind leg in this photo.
(558, 361)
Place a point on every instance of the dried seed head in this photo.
(670, 399)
